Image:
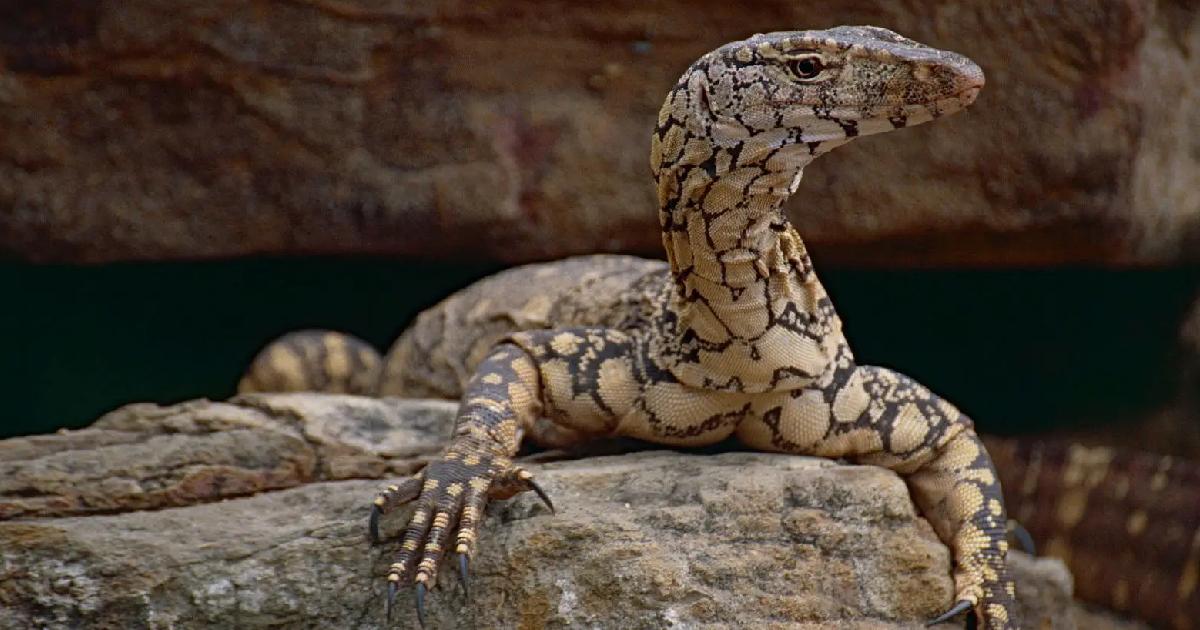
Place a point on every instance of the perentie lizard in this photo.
(733, 335)
(1127, 523)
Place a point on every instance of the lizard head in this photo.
(807, 92)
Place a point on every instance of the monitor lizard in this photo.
(733, 335)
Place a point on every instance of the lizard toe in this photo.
(435, 542)
(393, 589)
(373, 524)
(389, 499)
(541, 493)
(515, 481)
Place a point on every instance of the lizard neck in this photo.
(748, 312)
(732, 252)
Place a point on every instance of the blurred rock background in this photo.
(516, 131)
(1033, 259)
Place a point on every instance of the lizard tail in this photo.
(314, 361)
(1127, 523)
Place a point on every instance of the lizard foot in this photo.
(450, 494)
(994, 611)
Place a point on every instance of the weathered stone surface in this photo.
(649, 540)
(153, 129)
(145, 456)
(645, 540)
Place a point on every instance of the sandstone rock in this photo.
(145, 456)
(159, 129)
(644, 540)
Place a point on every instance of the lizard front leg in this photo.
(451, 492)
(876, 416)
(560, 387)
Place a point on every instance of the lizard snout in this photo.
(965, 78)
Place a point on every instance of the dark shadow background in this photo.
(1019, 350)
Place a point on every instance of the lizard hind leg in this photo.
(314, 361)
(952, 480)
(883, 418)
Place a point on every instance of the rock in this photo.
(145, 456)
(644, 540)
(160, 129)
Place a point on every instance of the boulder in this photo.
(166, 129)
(644, 540)
(146, 456)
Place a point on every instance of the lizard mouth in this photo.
(968, 96)
(970, 80)
(958, 101)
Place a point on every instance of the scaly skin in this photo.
(1126, 523)
(733, 336)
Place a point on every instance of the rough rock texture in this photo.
(144, 456)
(154, 129)
(646, 540)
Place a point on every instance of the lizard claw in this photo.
(373, 524)
(1022, 536)
(516, 481)
(956, 610)
(386, 501)
(393, 588)
(421, 603)
(464, 574)
(541, 494)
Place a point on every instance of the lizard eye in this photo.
(806, 67)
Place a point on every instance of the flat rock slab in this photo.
(146, 456)
(645, 540)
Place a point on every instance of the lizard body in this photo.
(733, 336)
(1127, 523)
